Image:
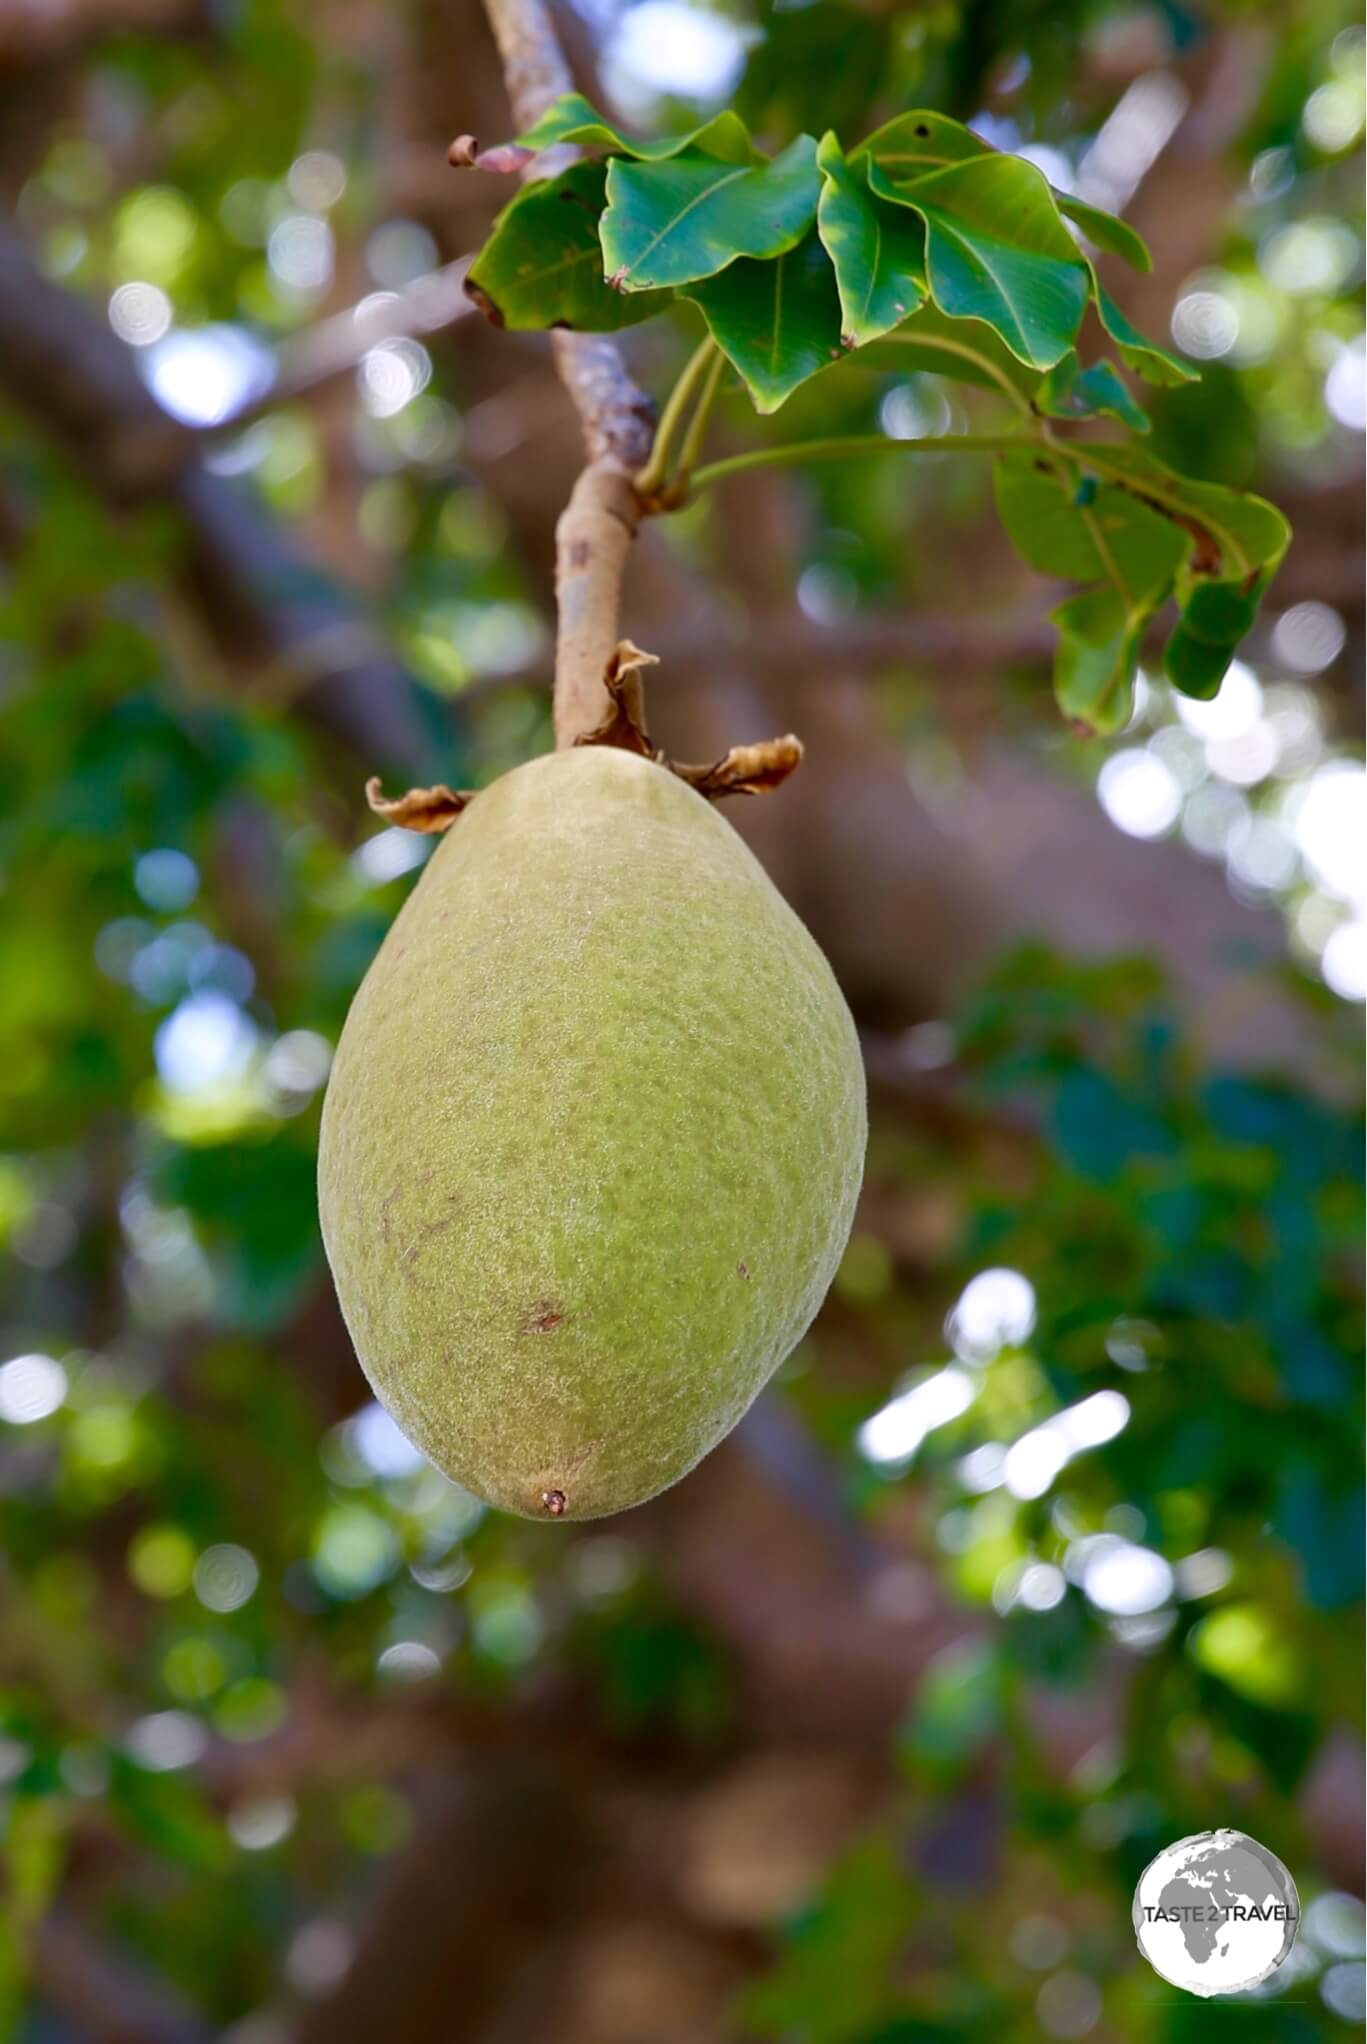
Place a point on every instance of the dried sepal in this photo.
(624, 724)
(746, 769)
(426, 809)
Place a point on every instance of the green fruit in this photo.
(592, 1140)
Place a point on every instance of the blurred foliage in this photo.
(210, 1544)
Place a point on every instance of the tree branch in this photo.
(337, 345)
(99, 1996)
(594, 534)
(266, 609)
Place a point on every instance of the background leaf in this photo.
(777, 322)
(674, 222)
(878, 249)
(542, 265)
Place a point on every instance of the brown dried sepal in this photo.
(426, 809)
(746, 769)
(624, 724)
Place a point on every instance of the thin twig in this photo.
(844, 447)
(595, 532)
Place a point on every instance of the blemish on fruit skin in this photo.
(742, 1270)
(423, 1178)
(543, 1319)
(554, 1502)
(431, 1228)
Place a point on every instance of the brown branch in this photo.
(264, 609)
(101, 1997)
(336, 346)
(30, 36)
(600, 521)
(829, 1627)
(951, 651)
(592, 541)
(534, 67)
(500, 1865)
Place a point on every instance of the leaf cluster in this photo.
(920, 249)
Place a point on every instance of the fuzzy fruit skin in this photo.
(592, 1140)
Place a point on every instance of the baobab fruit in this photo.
(592, 1140)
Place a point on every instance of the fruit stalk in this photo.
(599, 523)
(592, 540)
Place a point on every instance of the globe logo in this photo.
(1216, 1913)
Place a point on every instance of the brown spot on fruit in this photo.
(543, 1319)
(554, 1502)
(742, 1270)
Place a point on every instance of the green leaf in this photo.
(966, 349)
(543, 266)
(916, 143)
(1139, 528)
(1094, 667)
(1087, 533)
(1156, 365)
(776, 322)
(913, 144)
(1071, 392)
(1042, 520)
(1105, 231)
(879, 251)
(168, 1814)
(574, 119)
(997, 250)
(958, 1709)
(35, 1838)
(1239, 537)
(1233, 546)
(1203, 642)
(1076, 528)
(675, 222)
(1214, 618)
